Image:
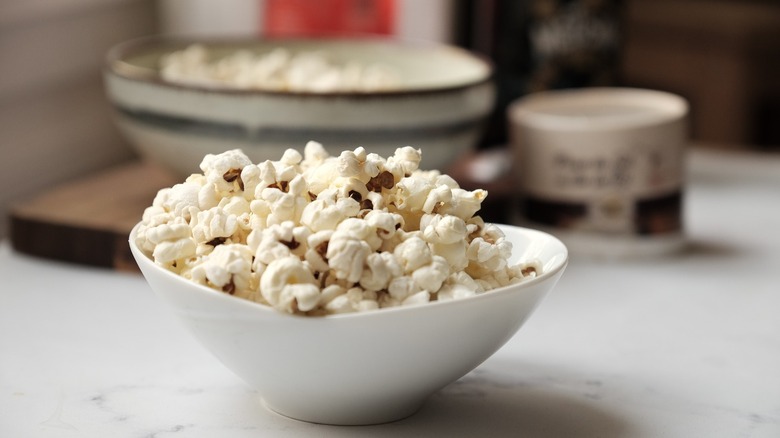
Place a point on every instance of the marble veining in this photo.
(681, 347)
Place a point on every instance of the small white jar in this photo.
(602, 168)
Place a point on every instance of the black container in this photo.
(539, 45)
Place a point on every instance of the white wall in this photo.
(55, 122)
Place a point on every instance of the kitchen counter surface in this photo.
(680, 346)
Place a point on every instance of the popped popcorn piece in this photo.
(385, 223)
(349, 247)
(228, 268)
(437, 197)
(213, 226)
(326, 212)
(457, 286)
(278, 241)
(380, 268)
(443, 229)
(252, 177)
(172, 250)
(329, 293)
(401, 288)
(314, 154)
(430, 277)
(359, 164)
(418, 298)
(319, 176)
(237, 207)
(488, 252)
(314, 234)
(411, 193)
(413, 253)
(526, 270)
(181, 199)
(464, 204)
(224, 170)
(288, 285)
(284, 201)
(404, 162)
(353, 300)
(456, 291)
(168, 242)
(317, 249)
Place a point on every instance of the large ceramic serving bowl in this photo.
(360, 368)
(444, 98)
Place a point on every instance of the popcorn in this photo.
(430, 277)
(326, 212)
(348, 249)
(168, 242)
(289, 285)
(172, 250)
(227, 268)
(464, 204)
(314, 234)
(278, 70)
(443, 229)
(317, 249)
(181, 199)
(278, 241)
(224, 170)
(404, 162)
(413, 253)
(421, 297)
(213, 226)
(401, 288)
(352, 300)
(380, 268)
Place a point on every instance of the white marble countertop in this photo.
(684, 346)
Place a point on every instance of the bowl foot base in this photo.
(358, 417)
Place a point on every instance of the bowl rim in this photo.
(538, 111)
(115, 64)
(491, 294)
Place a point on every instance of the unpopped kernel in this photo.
(314, 234)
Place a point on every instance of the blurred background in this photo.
(721, 55)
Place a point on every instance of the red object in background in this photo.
(328, 17)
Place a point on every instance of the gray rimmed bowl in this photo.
(445, 96)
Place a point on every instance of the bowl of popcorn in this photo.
(345, 289)
(177, 100)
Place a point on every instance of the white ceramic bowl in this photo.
(360, 368)
(441, 106)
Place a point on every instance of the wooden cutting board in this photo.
(88, 221)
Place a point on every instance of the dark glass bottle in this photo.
(539, 45)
